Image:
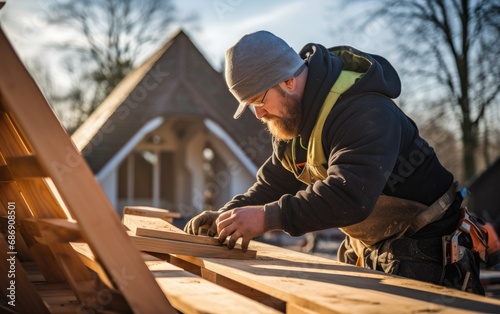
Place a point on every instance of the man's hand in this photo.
(244, 222)
(206, 219)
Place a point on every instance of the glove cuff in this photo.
(273, 216)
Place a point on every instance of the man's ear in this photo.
(290, 84)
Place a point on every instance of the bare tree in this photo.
(440, 137)
(451, 45)
(109, 38)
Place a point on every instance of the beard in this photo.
(286, 127)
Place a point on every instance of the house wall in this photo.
(186, 139)
(240, 178)
(109, 184)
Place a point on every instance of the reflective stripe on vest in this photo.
(314, 168)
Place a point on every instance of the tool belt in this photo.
(394, 218)
(472, 226)
(397, 217)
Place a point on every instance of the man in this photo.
(344, 156)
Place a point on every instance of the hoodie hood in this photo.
(380, 76)
(325, 66)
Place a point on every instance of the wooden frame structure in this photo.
(68, 251)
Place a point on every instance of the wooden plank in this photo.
(33, 272)
(89, 260)
(59, 230)
(25, 167)
(11, 142)
(5, 175)
(241, 288)
(40, 199)
(297, 309)
(148, 244)
(158, 228)
(151, 212)
(59, 159)
(327, 286)
(13, 279)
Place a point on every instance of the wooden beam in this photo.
(89, 260)
(158, 228)
(25, 167)
(164, 214)
(5, 175)
(59, 230)
(148, 244)
(297, 309)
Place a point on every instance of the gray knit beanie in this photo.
(256, 63)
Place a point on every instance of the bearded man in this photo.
(344, 156)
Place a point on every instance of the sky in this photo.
(220, 24)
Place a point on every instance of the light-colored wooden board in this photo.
(151, 212)
(59, 230)
(148, 244)
(158, 228)
(323, 285)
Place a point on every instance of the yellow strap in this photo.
(315, 153)
(314, 169)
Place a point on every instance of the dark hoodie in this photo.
(372, 148)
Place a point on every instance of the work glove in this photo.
(206, 220)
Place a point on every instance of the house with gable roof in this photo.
(165, 137)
